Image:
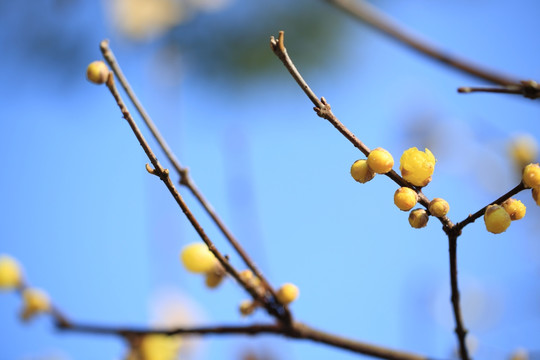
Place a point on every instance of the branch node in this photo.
(324, 110)
(530, 89)
(184, 177)
(104, 45)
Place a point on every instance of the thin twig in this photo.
(295, 330)
(460, 330)
(324, 110)
(185, 178)
(529, 89)
(371, 16)
(273, 307)
(471, 218)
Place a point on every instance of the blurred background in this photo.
(102, 237)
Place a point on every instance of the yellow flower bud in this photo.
(519, 354)
(97, 72)
(10, 273)
(523, 150)
(35, 301)
(417, 166)
(248, 277)
(496, 219)
(535, 195)
(531, 175)
(438, 207)
(405, 198)
(418, 218)
(514, 208)
(380, 161)
(215, 276)
(197, 258)
(287, 293)
(361, 172)
(158, 347)
(247, 307)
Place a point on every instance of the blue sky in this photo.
(102, 237)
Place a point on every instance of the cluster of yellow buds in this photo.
(498, 217)
(416, 167)
(286, 294)
(197, 258)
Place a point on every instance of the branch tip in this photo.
(150, 170)
(104, 45)
(281, 40)
(279, 43)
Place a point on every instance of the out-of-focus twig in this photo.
(294, 330)
(369, 15)
(529, 89)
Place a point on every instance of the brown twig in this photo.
(272, 306)
(460, 330)
(369, 15)
(529, 89)
(471, 218)
(185, 178)
(295, 330)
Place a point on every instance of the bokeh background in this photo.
(102, 237)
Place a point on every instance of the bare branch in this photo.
(369, 15)
(185, 178)
(460, 330)
(529, 89)
(294, 330)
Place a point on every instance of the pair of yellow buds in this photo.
(35, 301)
(415, 166)
(498, 217)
